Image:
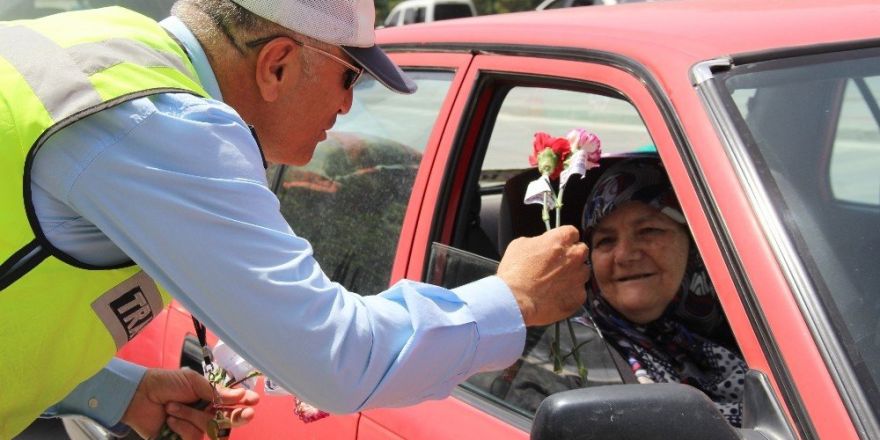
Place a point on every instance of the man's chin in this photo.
(293, 156)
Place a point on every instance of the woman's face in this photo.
(639, 257)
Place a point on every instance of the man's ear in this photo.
(277, 66)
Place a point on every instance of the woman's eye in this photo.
(602, 242)
(650, 231)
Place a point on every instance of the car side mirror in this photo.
(649, 411)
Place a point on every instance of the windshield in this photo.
(814, 129)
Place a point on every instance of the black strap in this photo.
(21, 262)
(202, 334)
(259, 146)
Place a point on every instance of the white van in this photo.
(556, 4)
(422, 11)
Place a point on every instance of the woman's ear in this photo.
(277, 67)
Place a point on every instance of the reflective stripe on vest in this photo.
(62, 320)
(53, 83)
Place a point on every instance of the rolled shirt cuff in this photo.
(500, 325)
(104, 397)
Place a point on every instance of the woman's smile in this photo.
(634, 277)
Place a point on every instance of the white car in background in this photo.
(425, 11)
(556, 4)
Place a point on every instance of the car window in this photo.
(492, 214)
(414, 15)
(570, 3)
(813, 125)
(447, 11)
(392, 19)
(855, 153)
(555, 5)
(350, 200)
(528, 110)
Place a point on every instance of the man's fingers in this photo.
(238, 396)
(567, 234)
(199, 385)
(197, 417)
(185, 429)
(579, 252)
(241, 416)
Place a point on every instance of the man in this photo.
(133, 143)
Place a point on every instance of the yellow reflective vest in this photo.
(62, 320)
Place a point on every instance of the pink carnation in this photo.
(306, 412)
(580, 139)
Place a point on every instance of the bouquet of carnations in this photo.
(560, 158)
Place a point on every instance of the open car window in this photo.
(492, 213)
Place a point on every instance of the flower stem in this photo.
(559, 207)
(582, 369)
(545, 213)
(248, 376)
(556, 348)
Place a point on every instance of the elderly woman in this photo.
(650, 294)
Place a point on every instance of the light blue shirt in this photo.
(176, 183)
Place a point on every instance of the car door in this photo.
(463, 222)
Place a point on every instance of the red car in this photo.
(766, 117)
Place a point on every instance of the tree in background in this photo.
(484, 7)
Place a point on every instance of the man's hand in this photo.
(546, 274)
(163, 394)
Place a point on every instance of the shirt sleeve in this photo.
(178, 184)
(104, 397)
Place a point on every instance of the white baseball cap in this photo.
(345, 23)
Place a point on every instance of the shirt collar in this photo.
(196, 54)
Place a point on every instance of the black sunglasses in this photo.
(352, 72)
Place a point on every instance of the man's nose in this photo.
(347, 101)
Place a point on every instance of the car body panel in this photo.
(661, 36)
(431, 420)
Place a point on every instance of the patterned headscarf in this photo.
(690, 342)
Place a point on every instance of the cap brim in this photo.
(377, 63)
